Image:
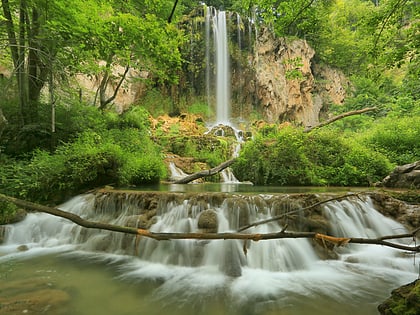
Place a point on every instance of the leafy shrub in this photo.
(121, 157)
(279, 161)
(140, 170)
(207, 149)
(200, 109)
(136, 117)
(318, 158)
(8, 211)
(398, 139)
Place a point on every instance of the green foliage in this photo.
(398, 139)
(293, 68)
(367, 93)
(283, 162)
(319, 158)
(119, 157)
(156, 103)
(8, 211)
(71, 119)
(344, 40)
(136, 117)
(140, 170)
(208, 149)
(200, 109)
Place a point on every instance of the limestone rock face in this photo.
(285, 78)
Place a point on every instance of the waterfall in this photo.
(222, 69)
(227, 176)
(216, 20)
(176, 172)
(252, 272)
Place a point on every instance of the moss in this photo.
(8, 212)
(403, 301)
(409, 196)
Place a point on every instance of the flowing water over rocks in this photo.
(292, 276)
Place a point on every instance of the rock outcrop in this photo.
(404, 176)
(403, 301)
(289, 86)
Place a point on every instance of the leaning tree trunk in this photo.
(341, 116)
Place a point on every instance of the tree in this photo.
(120, 33)
(87, 37)
(30, 51)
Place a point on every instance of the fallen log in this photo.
(335, 118)
(384, 241)
(205, 173)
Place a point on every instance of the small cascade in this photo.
(176, 172)
(227, 176)
(252, 272)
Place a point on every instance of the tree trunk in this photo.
(335, 118)
(25, 48)
(105, 101)
(3, 123)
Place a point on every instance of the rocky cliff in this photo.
(290, 87)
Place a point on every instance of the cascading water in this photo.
(216, 21)
(223, 69)
(190, 276)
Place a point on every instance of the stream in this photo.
(50, 266)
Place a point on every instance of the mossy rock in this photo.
(403, 301)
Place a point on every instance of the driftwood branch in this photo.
(343, 115)
(216, 236)
(204, 173)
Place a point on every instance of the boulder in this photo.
(403, 301)
(207, 221)
(404, 176)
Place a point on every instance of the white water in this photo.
(176, 172)
(275, 275)
(216, 20)
(227, 176)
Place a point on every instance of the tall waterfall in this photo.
(222, 69)
(258, 275)
(216, 20)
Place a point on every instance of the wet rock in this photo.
(233, 259)
(238, 212)
(3, 230)
(259, 203)
(22, 248)
(403, 301)
(323, 251)
(403, 212)
(404, 176)
(142, 221)
(223, 131)
(207, 221)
